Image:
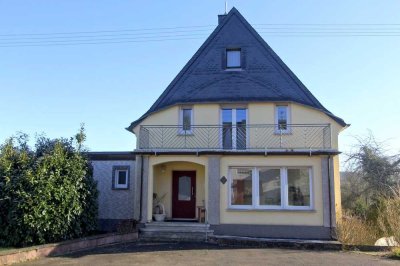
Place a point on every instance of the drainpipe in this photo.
(330, 196)
(141, 190)
(206, 215)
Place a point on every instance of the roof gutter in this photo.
(265, 152)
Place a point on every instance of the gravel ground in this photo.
(207, 254)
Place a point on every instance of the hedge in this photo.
(47, 193)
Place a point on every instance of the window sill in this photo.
(233, 69)
(185, 134)
(120, 188)
(283, 133)
(269, 210)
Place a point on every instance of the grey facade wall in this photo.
(142, 173)
(114, 204)
(137, 187)
(325, 191)
(332, 196)
(214, 189)
(273, 231)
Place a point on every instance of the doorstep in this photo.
(175, 231)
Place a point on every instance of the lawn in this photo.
(4, 248)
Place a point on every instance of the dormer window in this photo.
(233, 59)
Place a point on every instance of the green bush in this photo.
(47, 194)
(353, 230)
(388, 220)
(396, 253)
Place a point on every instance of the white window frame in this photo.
(230, 181)
(116, 179)
(234, 121)
(310, 176)
(284, 190)
(288, 129)
(257, 190)
(181, 131)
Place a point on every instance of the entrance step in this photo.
(175, 231)
(176, 224)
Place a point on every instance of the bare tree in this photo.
(371, 162)
(371, 174)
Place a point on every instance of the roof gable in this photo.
(264, 76)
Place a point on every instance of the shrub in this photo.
(388, 219)
(365, 231)
(46, 194)
(353, 230)
(396, 253)
(369, 194)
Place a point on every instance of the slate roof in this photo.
(263, 78)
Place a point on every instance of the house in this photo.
(236, 138)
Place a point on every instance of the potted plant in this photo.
(158, 207)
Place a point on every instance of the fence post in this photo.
(208, 137)
(327, 136)
(141, 137)
(162, 137)
(255, 142)
(185, 139)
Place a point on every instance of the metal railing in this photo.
(240, 137)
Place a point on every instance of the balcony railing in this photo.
(240, 137)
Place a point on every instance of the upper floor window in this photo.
(233, 59)
(282, 118)
(234, 128)
(120, 177)
(186, 119)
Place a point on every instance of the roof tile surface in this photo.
(263, 77)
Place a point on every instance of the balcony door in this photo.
(234, 131)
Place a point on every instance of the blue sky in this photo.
(52, 89)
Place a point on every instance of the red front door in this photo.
(184, 194)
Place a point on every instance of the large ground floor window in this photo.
(270, 188)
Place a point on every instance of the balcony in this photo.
(245, 138)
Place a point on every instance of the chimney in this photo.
(221, 18)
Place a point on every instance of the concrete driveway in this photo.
(207, 254)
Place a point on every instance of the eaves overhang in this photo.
(275, 152)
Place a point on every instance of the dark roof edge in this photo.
(338, 120)
(111, 156)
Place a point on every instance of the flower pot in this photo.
(159, 217)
